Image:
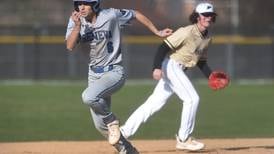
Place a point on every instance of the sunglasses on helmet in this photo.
(208, 14)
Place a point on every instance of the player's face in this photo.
(206, 19)
(85, 9)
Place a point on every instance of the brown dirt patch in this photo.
(213, 146)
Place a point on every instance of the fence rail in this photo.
(145, 39)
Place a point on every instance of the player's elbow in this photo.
(137, 12)
(69, 46)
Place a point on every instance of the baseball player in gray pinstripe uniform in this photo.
(97, 31)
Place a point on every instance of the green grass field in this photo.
(36, 112)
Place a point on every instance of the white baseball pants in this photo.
(173, 81)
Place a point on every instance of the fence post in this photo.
(36, 52)
(234, 30)
(71, 64)
(20, 60)
(272, 49)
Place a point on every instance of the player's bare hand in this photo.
(75, 16)
(157, 74)
(165, 32)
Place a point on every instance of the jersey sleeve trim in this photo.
(169, 44)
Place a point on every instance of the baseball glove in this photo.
(218, 80)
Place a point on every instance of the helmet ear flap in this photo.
(96, 6)
(76, 7)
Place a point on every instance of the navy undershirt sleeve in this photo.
(202, 64)
(160, 55)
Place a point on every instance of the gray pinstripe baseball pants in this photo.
(98, 95)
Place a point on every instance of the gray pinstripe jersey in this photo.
(103, 38)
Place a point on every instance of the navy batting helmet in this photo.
(95, 4)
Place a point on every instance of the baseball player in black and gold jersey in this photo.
(184, 49)
(97, 31)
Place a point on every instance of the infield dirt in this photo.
(213, 146)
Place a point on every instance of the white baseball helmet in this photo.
(204, 8)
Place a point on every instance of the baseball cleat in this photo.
(190, 144)
(123, 146)
(113, 132)
(130, 151)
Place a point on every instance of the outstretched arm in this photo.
(145, 21)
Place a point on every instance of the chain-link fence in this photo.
(32, 38)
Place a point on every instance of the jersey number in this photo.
(110, 47)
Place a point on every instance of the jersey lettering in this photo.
(98, 36)
(101, 35)
(110, 47)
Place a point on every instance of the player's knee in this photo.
(97, 104)
(193, 99)
(88, 99)
(196, 98)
